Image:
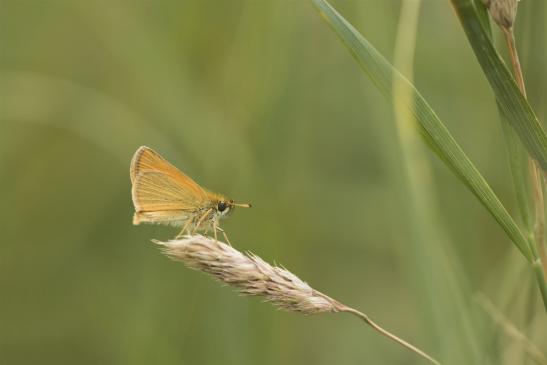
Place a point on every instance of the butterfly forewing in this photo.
(160, 187)
(146, 159)
(154, 190)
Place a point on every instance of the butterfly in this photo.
(163, 194)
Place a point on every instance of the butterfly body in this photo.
(162, 194)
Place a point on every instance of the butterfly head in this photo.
(225, 206)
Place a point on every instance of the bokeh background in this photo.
(260, 101)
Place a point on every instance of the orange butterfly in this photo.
(163, 194)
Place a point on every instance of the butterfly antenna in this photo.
(242, 205)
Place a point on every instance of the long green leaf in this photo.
(517, 109)
(517, 154)
(518, 162)
(429, 125)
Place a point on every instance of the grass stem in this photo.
(510, 329)
(535, 177)
(388, 334)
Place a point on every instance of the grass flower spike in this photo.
(251, 275)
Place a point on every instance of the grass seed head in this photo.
(249, 274)
(503, 12)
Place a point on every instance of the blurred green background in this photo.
(260, 101)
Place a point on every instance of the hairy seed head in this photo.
(249, 274)
(503, 12)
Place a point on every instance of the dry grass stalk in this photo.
(504, 13)
(251, 275)
(511, 330)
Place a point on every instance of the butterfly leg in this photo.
(184, 229)
(201, 219)
(215, 231)
(223, 233)
(217, 228)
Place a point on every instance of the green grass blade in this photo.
(382, 73)
(512, 102)
(518, 162)
(516, 153)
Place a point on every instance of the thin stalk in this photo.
(535, 177)
(511, 330)
(515, 62)
(388, 334)
(525, 170)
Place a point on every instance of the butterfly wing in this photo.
(157, 191)
(160, 191)
(146, 159)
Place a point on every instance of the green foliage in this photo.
(511, 101)
(431, 128)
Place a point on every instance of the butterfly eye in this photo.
(221, 206)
